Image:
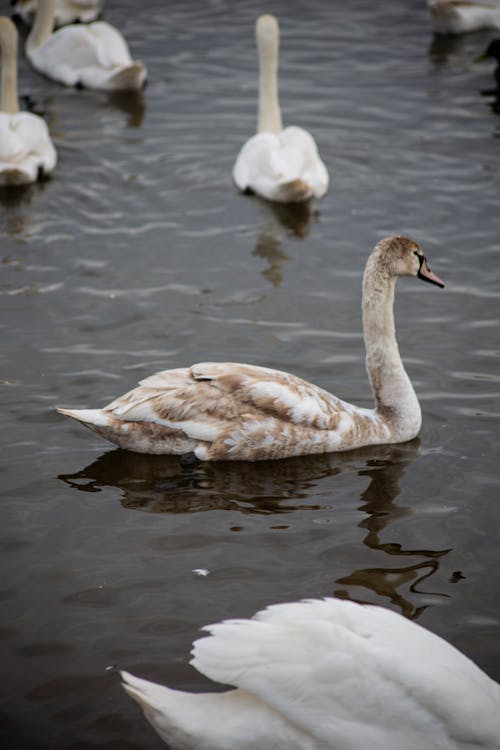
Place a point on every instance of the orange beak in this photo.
(425, 273)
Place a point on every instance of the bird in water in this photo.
(66, 11)
(326, 674)
(217, 411)
(278, 164)
(460, 16)
(26, 150)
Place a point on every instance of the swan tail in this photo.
(13, 176)
(92, 418)
(150, 696)
(131, 77)
(295, 191)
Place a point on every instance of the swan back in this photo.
(334, 674)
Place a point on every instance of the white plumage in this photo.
(26, 150)
(66, 11)
(92, 55)
(279, 165)
(458, 17)
(327, 675)
(231, 411)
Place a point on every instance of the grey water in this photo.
(139, 255)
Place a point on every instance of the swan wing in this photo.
(283, 167)
(356, 676)
(25, 145)
(74, 53)
(224, 391)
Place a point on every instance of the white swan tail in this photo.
(89, 417)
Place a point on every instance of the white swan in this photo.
(457, 16)
(280, 165)
(326, 675)
(66, 11)
(26, 151)
(93, 55)
(224, 411)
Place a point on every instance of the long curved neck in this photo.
(395, 399)
(43, 24)
(268, 45)
(8, 83)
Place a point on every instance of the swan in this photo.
(326, 674)
(66, 11)
(224, 411)
(26, 151)
(279, 165)
(93, 55)
(457, 16)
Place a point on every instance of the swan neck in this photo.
(269, 109)
(42, 25)
(8, 83)
(395, 398)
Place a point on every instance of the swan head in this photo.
(400, 256)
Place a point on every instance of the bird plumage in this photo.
(328, 673)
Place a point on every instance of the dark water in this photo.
(139, 255)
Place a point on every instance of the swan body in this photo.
(458, 17)
(92, 55)
(26, 150)
(66, 11)
(227, 411)
(279, 165)
(326, 675)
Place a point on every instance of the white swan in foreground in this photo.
(280, 165)
(26, 151)
(66, 11)
(458, 17)
(225, 411)
(93, 55)
(326, 675)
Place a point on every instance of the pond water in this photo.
(139, 255)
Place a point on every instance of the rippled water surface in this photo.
(139, 255)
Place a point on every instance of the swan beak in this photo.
(425, 273)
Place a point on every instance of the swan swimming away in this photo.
(227, 411)
(326, 675)
(279, 165)
(26, 151)
(458, 17)
(92, 55)
(66, 11)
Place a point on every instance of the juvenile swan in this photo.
(457, 16)
(225, 411)
(26, 151)
(326, 675)
(280, 165)
(93, 55)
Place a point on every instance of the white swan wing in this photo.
(25, 146)
(282, 167)
(347, 673)
(81, 54)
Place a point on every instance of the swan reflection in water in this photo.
(281, 220)
(158, 484)
(378, 503)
